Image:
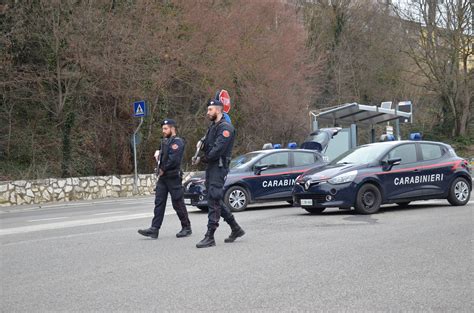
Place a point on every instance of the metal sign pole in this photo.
(135, 181)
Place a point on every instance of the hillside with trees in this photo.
(72, 69)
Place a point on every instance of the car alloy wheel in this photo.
(461, 191)
(236, 198)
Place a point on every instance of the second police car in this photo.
(386, 172)
(264, 175)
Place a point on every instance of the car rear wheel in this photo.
(236, 198)
(315, 210)
(203, 208)
(459, 192)
(368, 199)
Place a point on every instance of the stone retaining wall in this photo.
(76, 188)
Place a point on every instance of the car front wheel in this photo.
(459, 192)
(368, 199)
(236, 198)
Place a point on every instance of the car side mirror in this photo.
(258, 169)
(387, 165)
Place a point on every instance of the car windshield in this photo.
(243, 160)
(361, 155)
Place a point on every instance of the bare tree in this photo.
(440, 43)
(358, 42)
(73, 69)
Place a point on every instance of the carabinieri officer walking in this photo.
(169, 181)
(218, 145)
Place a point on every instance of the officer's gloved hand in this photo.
(204, 159)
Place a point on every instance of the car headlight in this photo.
(343, 178)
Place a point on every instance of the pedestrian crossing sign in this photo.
(139, 108)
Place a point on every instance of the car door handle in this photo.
(416, 170)
(285, 175)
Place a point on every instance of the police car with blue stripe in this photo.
(386, 172)
(264, 175)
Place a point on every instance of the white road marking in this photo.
(62, 205)
(144, 199)
(84, 222)
(93, 233)
(48, 219)
(107, 213)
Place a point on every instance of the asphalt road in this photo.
(88, 257)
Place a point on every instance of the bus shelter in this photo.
(351, 116)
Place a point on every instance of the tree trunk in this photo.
(66, 149)
(450, 105)
(463, 123)
(466, 108)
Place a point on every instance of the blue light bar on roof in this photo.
(415, 136)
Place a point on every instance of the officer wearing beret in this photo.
(169, 181)
(218, 145)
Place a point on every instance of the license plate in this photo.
(187, 201)
(306, 202)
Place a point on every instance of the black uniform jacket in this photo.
(171, 155)
(219, 141)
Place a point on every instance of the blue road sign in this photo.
(139, 108)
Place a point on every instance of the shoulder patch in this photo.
(226, 133)
(174, 146)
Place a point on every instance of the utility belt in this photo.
(222, 162)
(173, 173)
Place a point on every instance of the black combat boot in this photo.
(237, 231)
(208, 240)
(151, 232)
(184, 232)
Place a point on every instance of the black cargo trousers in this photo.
(215, 179)
(173, 185)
